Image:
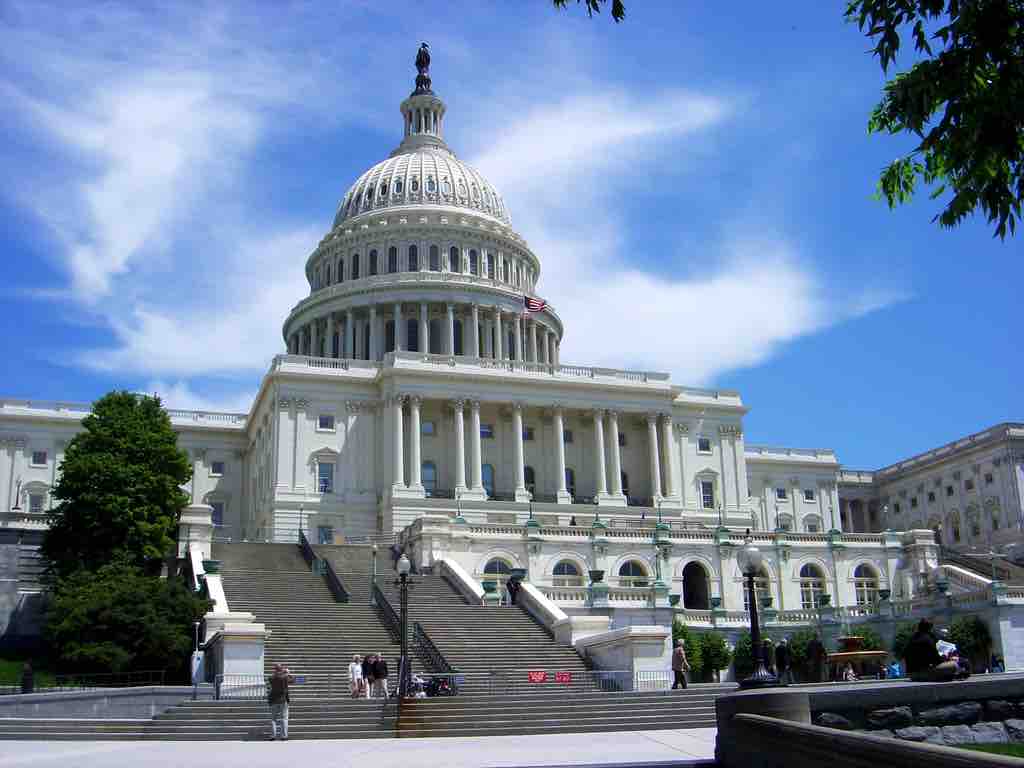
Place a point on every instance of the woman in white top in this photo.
(355, 675)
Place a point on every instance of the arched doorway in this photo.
(695, 587)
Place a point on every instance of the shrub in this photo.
(872, 640)
(903, 634)
(743, 655)
(971, 636)
(798, 651)
(715, 654)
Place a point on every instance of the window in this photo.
(896, 508)
(707, 494)
(528, 434)
(38, 458)
(989, 479)
(218, 513)
(474, 263)
(341, 270)
(969, 484)
(398, 186)
(488, 478)
(325, 476)
(913, 502)
(622, 439)
(785, 523)
(762, 590)
(36, 502)
(414, 185)
(446, 187)
(931, 497)
(566, 435)
(567, 574)
(530, 478)
(703, 445)
(780, 494)
(428, 475)
(812, 525)
(355, 266)
(217, 468)
(414, 259)
(490, 265)
(625, 483)
(632, 574)
(325, 534)
(812, 586)
(325, 422)
(428, 428)
(327, 274)
(487, 431)
(435, 259)
(570, 481)
(808, 494)
(497, 570)
(431, 184)
(454, 262)
(865, 584)
(316, 279)
(372, 266)
(949, 490)
(392, 259)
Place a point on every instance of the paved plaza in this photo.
(643, 748)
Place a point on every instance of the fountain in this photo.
(851, 650)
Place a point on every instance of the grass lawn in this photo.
(1013, 750)
(10, 673)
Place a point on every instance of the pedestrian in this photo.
(680, 666)
(768, 654)
(355, 675)
(783, 660)
(924, 664)
(368, 660)
(513, 590)
(28, 678)
(818, 658)
(278, 699)
(849, 675)
(572, 521)
(380, 675)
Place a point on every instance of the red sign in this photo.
(563, 677)
(537, 676)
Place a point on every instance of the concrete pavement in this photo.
(648, 749)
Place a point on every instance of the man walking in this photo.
(783, 661)
(817, 657)
(680, 666)
(279, 699)
(380, 676)
(368, 660)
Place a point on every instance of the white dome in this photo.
(429, 175)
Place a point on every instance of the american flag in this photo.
(534, 305)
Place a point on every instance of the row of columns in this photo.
(475, 487)
(532, 341)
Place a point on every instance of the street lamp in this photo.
(750, 560)
(403, 567)
(373, 574)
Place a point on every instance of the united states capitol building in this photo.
(421, 393)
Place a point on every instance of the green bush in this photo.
(971, 636)
(743, 656)
(798, 643)
(899, 643)
(872, 640)
(715, 654)
(692, 644)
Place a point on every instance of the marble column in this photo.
(475, 349)
(669, 464)
(424, 328)
(415, 462)
(652, 439)
(476, 454)
(533, 341)
(373, 334)
(458, 407)
(546, 348)
(518, 338)
(399, 454)
(562, 496)
(613, 437)
(520, 455)
(451, 331)
(398, 326)
(600, 468)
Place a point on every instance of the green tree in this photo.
(119, 493)
(872, 640)
(743, 655)
(899, 642)
(692, 645)
(798, 643)
(963, 101)
(121, 619)
(715, 654)
(594, 6)
(971, 637)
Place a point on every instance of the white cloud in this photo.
(180, 395)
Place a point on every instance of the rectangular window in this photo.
(427, 428)
(567, 435)
(528, 434)
(989, 479)
(325, 477)
(217, 468)
(707, 494)
(913, 502)
(487, 431)
(969, 484)
(703, 445)
(38, 458)
(622, 439)
(812, 526)
(35, 503)
(896, 508)
(931, 497)
(218, 513)
(949, 490)
(325, 422)
(780, 494)
(808, 494)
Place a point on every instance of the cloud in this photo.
(180, 395)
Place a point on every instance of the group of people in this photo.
(931, 658)
(368, 676)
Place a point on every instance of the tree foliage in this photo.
(971, 637)
(872, 640)
(122, 619)
(899, 643)
(963, 100)
(692, 645)
(119, 493)
(743, 655)
(594, 6)
(800, 659)
(715, 653)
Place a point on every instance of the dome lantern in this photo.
(423, 112)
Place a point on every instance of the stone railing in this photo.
(519, 366)
(966, 580)
(80, 410)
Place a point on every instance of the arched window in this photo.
(415, 184)
(414, 259)
(695, 587)
(865, 584)
(341, 270)
(454, 262)
(372, 267)
(435, 259)
(632, 573)
(570, 481)
(355, 266)
(428, 475)
(530, 477)
(392, 259)
(458, 338)
(398, 186)
(489, 259)
(762, 588)
(446, 187)
(431, 184)
(812, 524)
(812, 586)
(488, 478)
(384, 189)
(497, 570)
(474, 263)
(567, 574)
(327, 273)
(412, 334)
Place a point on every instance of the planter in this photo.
(883, 594)
(766, 602)
(673, 600)
(596, 576)
(850, 643)
(490, 587)
(211, 566)
(517, 574)
(824, 600)
(716, 603)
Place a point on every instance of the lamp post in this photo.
(750, 560)
(373, 573)
(195, 664)
(404, 566)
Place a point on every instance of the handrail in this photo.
(428, 650)
(334, 582)
(387, 611)
(307, 550)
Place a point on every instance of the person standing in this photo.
(680, 666)
(368, 660)
(279, 699)
(817, 657)
(380, 675)
(768, 654)
(783, 661)
(355, 676)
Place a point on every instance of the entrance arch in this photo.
(695, 587)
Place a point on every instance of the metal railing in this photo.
(88, 681)
(307, 550)
(428, 651)
(387, 611)
(552, 681)
(240, 687)
(334, 581)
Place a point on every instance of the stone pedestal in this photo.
(597, 595)
(644, 651)
(195, 526)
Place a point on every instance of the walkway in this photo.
(645, 749)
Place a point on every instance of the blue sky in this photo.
(697, 183)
